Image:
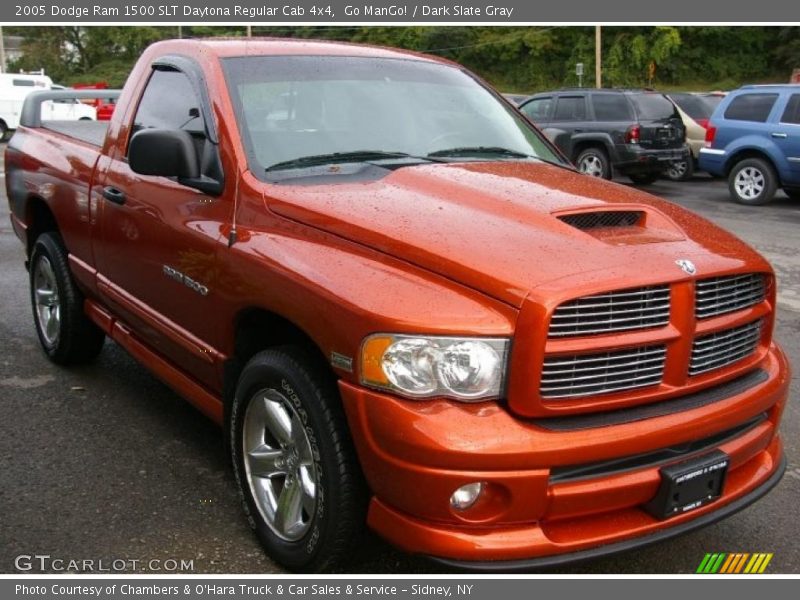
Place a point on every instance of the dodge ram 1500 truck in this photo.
(404, 307)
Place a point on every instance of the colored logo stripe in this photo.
(737, 562)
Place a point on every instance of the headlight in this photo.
(467, 369)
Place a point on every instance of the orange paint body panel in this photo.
(479, 249)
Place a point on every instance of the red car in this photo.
(105, 106)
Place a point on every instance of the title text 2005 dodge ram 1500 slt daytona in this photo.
(403, 306)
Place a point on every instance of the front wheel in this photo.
(594, 162)
(752, 181)
(294, 462)
(65, 332)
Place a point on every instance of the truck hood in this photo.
(503, 227)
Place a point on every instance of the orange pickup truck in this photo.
(404, 307)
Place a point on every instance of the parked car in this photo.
(13, 90)
(404, 307)
(695, 110)
(15, 87)
(754, 140)
(103, 106)
(67, 109)
(516, 98)
(639, 133)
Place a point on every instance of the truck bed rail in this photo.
(31, 115)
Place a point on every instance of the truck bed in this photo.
(91, 132)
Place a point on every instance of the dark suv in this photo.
(639, 133)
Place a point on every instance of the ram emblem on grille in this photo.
(687, 266)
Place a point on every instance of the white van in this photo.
(15, 87)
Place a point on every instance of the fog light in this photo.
(465, 496)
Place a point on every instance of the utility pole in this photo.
(598, 58)
(180, 32)
(249, 31)
(2, 52)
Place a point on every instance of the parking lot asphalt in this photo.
(105, 462)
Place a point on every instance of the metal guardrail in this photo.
(31, 115)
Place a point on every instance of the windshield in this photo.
(294, 111)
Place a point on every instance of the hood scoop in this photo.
(604, 218)
(624, 226)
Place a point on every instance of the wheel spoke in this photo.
(300, 441)
(278, 421)
(288, 513)
(46, 297)
(51, 324)
(253, 433)
(266, 462)
(309, 487)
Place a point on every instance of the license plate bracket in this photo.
(688, 485)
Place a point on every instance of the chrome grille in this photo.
(638, 308)
(591, 374)
(723, 348)
(727, 294)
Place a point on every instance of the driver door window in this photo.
(170, 102)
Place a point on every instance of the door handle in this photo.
(776, 134)
(114, 195)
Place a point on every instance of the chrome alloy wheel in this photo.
(47, 304)
(279, 464)
(677, 170)
(749, 183)
(591, 165)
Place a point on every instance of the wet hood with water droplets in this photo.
(493, 226)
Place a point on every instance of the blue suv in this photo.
(753, 139)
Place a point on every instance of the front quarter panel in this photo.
(338, 292)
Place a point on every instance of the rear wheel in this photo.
(293, 460)
(594, 162)
(65, 332)
(752, 181)
(643, 178)
(3, 131)
(681, 170)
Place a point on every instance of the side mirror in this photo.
(164, 152)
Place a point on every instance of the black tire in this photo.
(71, 337)
(644, 178)
(594, 161)
(324, 535)
(3, 131)
(681, 170)
(752, 181)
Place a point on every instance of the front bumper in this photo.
(557, 560)
(415, 454)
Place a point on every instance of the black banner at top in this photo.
(371, 12)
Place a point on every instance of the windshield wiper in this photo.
(480, 151)
(337, 157)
